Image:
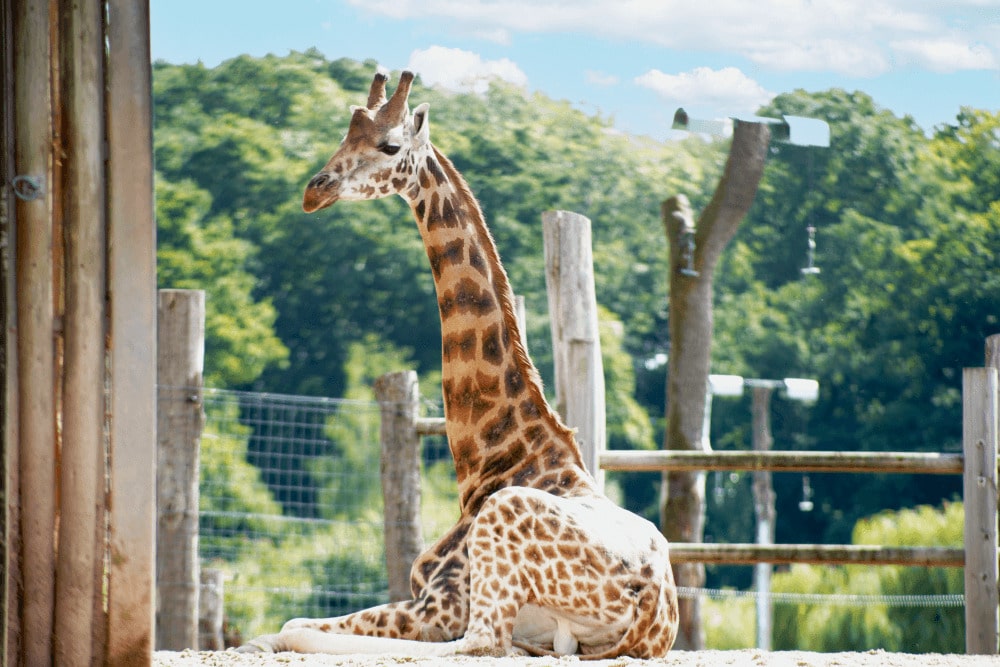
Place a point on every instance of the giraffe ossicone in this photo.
(540, 560)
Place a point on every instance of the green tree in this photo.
(904, 300)
(198, 250)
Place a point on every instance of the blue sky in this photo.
(635, 61)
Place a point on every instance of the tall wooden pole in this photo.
(576, 343)
(132, 323)
(9, 473)
(399, 401)
(979, 442)
(179, 369)
(79, 566)
(35, 325)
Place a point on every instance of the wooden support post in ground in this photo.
(211, 610)
(979, 443)
(79, 627)
(36, 365)
(132, 321)
(399, 401)
(979, 438)
(180, 364)
(579, 370)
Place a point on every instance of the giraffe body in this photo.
(539, 559)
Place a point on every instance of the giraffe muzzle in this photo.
(320, 193)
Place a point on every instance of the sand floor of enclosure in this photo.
(750, 657)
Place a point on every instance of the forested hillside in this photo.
(908, 243)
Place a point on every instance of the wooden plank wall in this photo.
(79, 349)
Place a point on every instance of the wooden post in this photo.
(576, 344)
(132, 322)
(35, 327)
(979, 444)
(763, 505)
(399, 401)
(179, 368)
(993, 351)
(211, 610)
(79, 566)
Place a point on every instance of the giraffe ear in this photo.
(421, 126)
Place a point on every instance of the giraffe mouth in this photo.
(316, 199)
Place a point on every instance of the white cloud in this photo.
(458, 70)
(601, 78)
(945, 55)
(726, 91)
(856, 37)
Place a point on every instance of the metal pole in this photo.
(763, 495)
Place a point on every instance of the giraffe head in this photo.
(376, 158)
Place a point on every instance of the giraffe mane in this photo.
(532, 378)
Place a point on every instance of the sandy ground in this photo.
(750, 657)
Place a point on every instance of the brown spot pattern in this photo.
(492, 352)
(467, 297)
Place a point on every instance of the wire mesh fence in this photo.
(291, 505)
(291, 510)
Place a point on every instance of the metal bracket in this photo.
(28, 188)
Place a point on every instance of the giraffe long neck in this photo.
(500, 428)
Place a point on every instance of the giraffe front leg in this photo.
(497, 586)
(438, 616)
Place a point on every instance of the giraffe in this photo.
(539, 561)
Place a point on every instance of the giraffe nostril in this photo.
(319, 180)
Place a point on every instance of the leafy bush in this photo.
(828, 627)
(727, 623)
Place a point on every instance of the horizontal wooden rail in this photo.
(816, 554)
(430, 426)
(784, 461)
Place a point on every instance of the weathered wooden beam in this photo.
(180, 418)
(399, 400)
(816, 554)
(132, 324)
(79, 626)
(36, 365)
(431, 426)
(576, 344)
(785, 461)
(979, 438)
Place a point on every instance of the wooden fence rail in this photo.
(977, 464)
(788, 461)
(816, 554)
(785, 461)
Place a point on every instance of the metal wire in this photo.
(831, 599)
(293, 442)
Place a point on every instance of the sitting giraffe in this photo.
(540, 559)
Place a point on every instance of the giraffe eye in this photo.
(388, 149)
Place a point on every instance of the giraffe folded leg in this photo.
(308, 640)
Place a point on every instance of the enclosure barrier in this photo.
(977, 465)
(78, 267)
